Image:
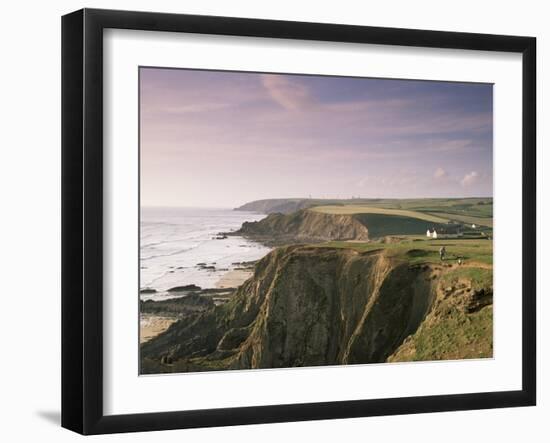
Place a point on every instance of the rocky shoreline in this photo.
(156, 316)
(184, 301)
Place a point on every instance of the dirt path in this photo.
(472, 264)
(443, 268)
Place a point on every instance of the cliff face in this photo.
(304, 227)
(308, 306)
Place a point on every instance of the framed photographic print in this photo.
(269, 221)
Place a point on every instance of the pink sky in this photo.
(220, 139)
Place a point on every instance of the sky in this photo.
(221, 139)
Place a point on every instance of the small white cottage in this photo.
(431, 233)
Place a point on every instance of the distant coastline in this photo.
(289, 205)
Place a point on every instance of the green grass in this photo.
(479, 277)
(456, 335)
(474, 207)
(382, 225)
(480, 207)
(418, 250)
(465, 218)
(467, 210)
(362, 209)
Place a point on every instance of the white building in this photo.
(432, 233)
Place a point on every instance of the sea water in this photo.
(174, 241)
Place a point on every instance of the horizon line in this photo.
(314, 198)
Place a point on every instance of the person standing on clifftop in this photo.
(442, 252)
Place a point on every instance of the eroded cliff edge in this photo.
(309, 306)
(304, 226)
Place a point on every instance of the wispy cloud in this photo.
(440, 174)
(288, 93)
(194, 108)
(470, 179)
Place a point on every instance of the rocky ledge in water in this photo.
(176, 307)
(192, 301)
(185, 288)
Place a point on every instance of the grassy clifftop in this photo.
(477, 211)
(339, 304)
(418, 250)
(460, 324)
(375, 219)
(364, 209)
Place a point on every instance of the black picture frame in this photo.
(82, 220)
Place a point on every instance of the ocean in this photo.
(174, 241)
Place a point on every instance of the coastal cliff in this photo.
(309, 306)
(304, 226)
(277, 205)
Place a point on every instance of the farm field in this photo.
(485, 221)
(392, 217)
(363, 209)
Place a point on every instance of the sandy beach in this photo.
(152, 325)
(234, 278)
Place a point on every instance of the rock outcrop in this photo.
(174, 307)
(304, 226)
